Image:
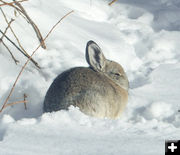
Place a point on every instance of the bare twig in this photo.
(15, 60)
(112, 2)
(9, 23)
(10, 104)
(22, 69)
(39, 36)
(22, 15)
(20, 49)
(21, 10)
(1, 40)
(11, 3)
(13, 32)
(23, 50)
(25, 106)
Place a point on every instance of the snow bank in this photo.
(75, 133)
(142, 36)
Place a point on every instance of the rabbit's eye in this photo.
(117, 74)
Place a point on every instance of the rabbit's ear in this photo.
(94, 56)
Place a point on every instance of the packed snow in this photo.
(143, 36)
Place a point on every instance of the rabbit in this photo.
(100, 90)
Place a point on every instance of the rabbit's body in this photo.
(99, 91)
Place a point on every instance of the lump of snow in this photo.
(159, 110)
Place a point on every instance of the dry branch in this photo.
(1, 41)
(5, 3)
(39, 36)
(22, 69)
(9, 4)
(15, 60)
(112, 2)
(20, 49)
(10, 104)
(21, 10)
(9, 23)
(25, 106)
(13, 32)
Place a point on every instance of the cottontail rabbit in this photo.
(100, 90)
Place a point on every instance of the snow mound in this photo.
(142, 36)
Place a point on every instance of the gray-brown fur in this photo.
(100, 90)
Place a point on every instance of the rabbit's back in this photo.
(93, 92)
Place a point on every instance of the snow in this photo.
(143, 36)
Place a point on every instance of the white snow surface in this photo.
(143, 36)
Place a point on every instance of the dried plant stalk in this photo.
(39, 36)
(10, 104)
(9, 23)
(1, 40)
(25, 106)
(15, 60)
(10, 3)
(22, 69)
(13, 32)
(112, 2)
(20, 9)
(20, 49)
